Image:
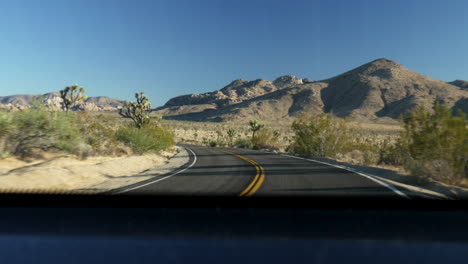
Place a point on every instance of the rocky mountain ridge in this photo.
(460, 83)
(379, 89)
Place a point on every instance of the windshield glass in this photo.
(235, 98)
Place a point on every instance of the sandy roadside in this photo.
(94, 175)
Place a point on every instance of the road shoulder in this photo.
(178, 160)
(410, 184)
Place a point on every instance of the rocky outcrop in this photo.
(235, 92)
(287, 81)
(53, 100)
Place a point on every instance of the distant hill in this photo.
(460, 83)
(378, 89)
(236, 92)
(53, 100)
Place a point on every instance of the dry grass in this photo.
(203, 132)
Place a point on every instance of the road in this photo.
(241, 172)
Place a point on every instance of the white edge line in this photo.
(395, 190)
(168, 176)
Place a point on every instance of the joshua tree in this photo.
(231, 134)
(255, 126)
(72, 95)
(137, 111)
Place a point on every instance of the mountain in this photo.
(460, 83)
(236, 92)
(381, 88)
(53, 100)
(385, 88)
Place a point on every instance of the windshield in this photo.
(235, 98)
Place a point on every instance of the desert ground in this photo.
(59, 173)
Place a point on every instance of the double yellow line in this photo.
(259, 177)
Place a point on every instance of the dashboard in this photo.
(152, 229)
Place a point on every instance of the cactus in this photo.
(255, 126)
(71, 96)
(137, 111)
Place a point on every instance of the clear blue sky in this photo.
(169, 48)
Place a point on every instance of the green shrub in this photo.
(370, 157)
(213, 143)
(99, 133)
(395, 154)
(146, 139)
(6, 124)
(263, 139)
(6, 130)
(243, 143)
(321, 135)
(42, 130)
(437, 144)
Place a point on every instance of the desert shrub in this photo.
(150, 138)
(6, 123)
(6, 130)
(393, 153)
(263, 139)
(359, 150)
(437, 144)
(243, 143)
(321, 135)
(370, 157)
(218, 143)
(42, 130)
(99, 134)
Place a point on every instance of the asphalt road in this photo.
(240, 172)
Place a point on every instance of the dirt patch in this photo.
(68, 174)
(180, 158)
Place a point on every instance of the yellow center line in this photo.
(259, 177)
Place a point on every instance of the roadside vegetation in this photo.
(253, 134)
(29, 133)
(433, 145)
(150, 138)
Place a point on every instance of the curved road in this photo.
(222, 171)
